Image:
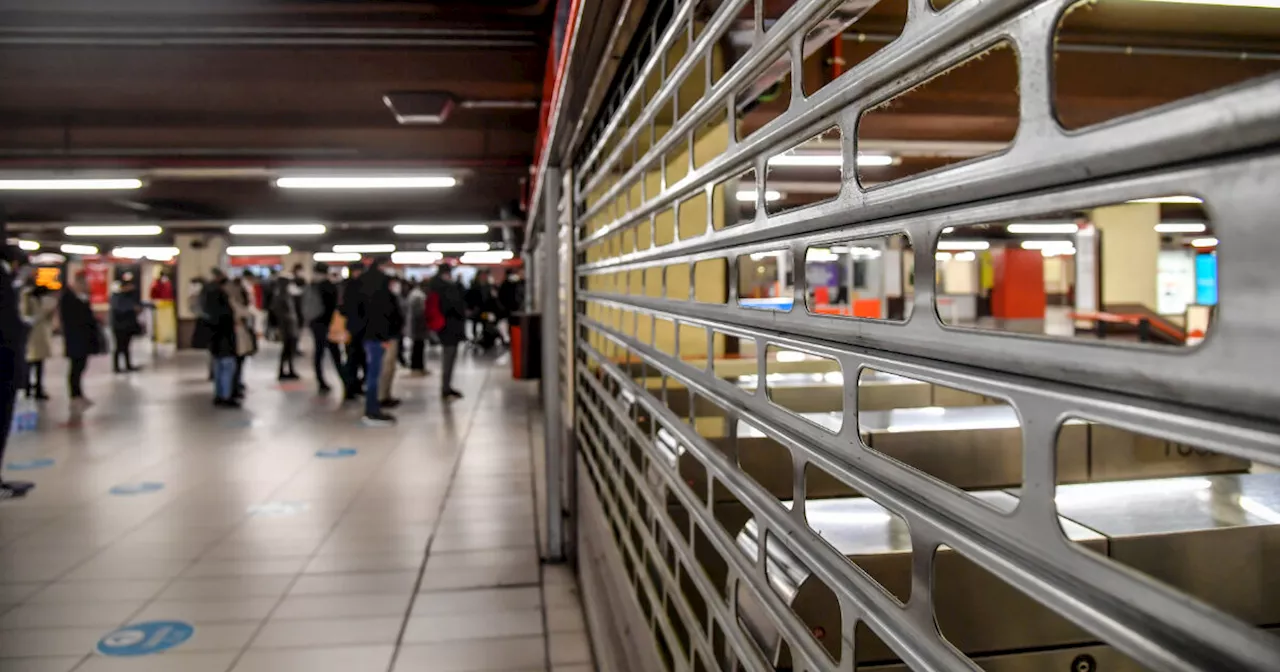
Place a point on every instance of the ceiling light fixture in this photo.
(28, 245)
(71, 185)
(749, 196)
(152, 253)
(1204, 242)
(354, 182)
(439, 229)
(375, 248)
(1180, 227)
(1047, 244)
(71, 248)
(277, 229)
(1188, 200)
(416, 258)
(961, 245)
(458, 247)
(131, 230)
(336, 256)
(491, 257)
(258, 250)
(1042, 228)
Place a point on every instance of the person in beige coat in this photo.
(246, 343)
(39, 310)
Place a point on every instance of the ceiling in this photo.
(208, 99)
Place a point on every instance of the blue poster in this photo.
(1207, 279)
(143, 639)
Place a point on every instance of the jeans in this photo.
(320, 333)
(374, 354)
(450, 356)
(287, 353)
(224, 377)
(74, 378)
(418, 359)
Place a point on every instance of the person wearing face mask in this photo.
(81, 336)
(447, 316)
(13, 344)
(39, 307)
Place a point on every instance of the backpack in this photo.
(312, 304)
(435, 316)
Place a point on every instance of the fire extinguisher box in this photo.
(526, 346)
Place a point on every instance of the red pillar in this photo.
(1018, 292)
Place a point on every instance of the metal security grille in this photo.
(645, 201)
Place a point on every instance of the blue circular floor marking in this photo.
(136, 488)
(336, 452)
(142, 639)
(29, 465)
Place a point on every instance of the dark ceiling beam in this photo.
(231, 37)
(463, 120)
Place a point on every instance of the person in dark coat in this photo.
(416, 315)
(126, 310)
(13, 349)
(284, 310)
(376, 318)
(218, 331)
(348, 305)
(453, 306)
(81, 335)
(323, 297)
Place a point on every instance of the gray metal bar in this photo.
(551, 394)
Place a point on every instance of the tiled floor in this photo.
(417, 553)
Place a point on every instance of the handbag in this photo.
(338, 329)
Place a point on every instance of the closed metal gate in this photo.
(676, 377)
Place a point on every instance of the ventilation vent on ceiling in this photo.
(420, 107)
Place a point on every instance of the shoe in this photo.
(451, 394)
(379, 420)
(15, 489)
(389, 403)
(134, 369)
(293, 376)
(227, 403)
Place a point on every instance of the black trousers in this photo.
(320, 334)
(355, 365)
(449, 358)
(287, 353)
(418, 360)
(8, 397)
(35, 378)
(237, 382)
(123, 339)
(75, 377)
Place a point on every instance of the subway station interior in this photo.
(847, 335)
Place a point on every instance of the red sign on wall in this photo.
(96, 275)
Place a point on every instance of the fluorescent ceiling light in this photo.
(790, 356)
(336, 256)
(70, 185)
(942, 256)
(354, 182)
(440, 229)
(1047, 244)
(964, 245)
(458, 247)
(1169, 199)
(829, 160)
(258, 250)
(1180, 227)
(1058, 252)
(821, 254)
(277, 229)
(409, 258)
(71, 248)
(492, 257)
(132, 230)
(376, 248)
(965, 256)
(749, 195)
(949, 229)
(1057, 227)
(1204, 242)
(152, 253)
(28, 245)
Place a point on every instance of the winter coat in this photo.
(376, 309)
(238, 297)
(38, 309)
(217, 324)
(81, 332)
(13, 331)
(416, 313)
(283, 310)
(125, 310)
(454, 308)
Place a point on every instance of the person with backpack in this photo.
(447, 316)
(318, 305)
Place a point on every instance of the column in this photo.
(198, 254)
(1130, 250)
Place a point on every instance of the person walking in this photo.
(13, 347)
(447, 310)
(286, 317)
(375, 316)
(348, 307)
(416, 317)
(318, 305)
(39, 306)
(218, 330)
(81, 336)
(125, 324)
(392, 360)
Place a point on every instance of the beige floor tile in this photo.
(339, 659)
(346, 606)
(167, 662)
(481, 655)
(430, 629)
(328, 632)
(476, 601)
